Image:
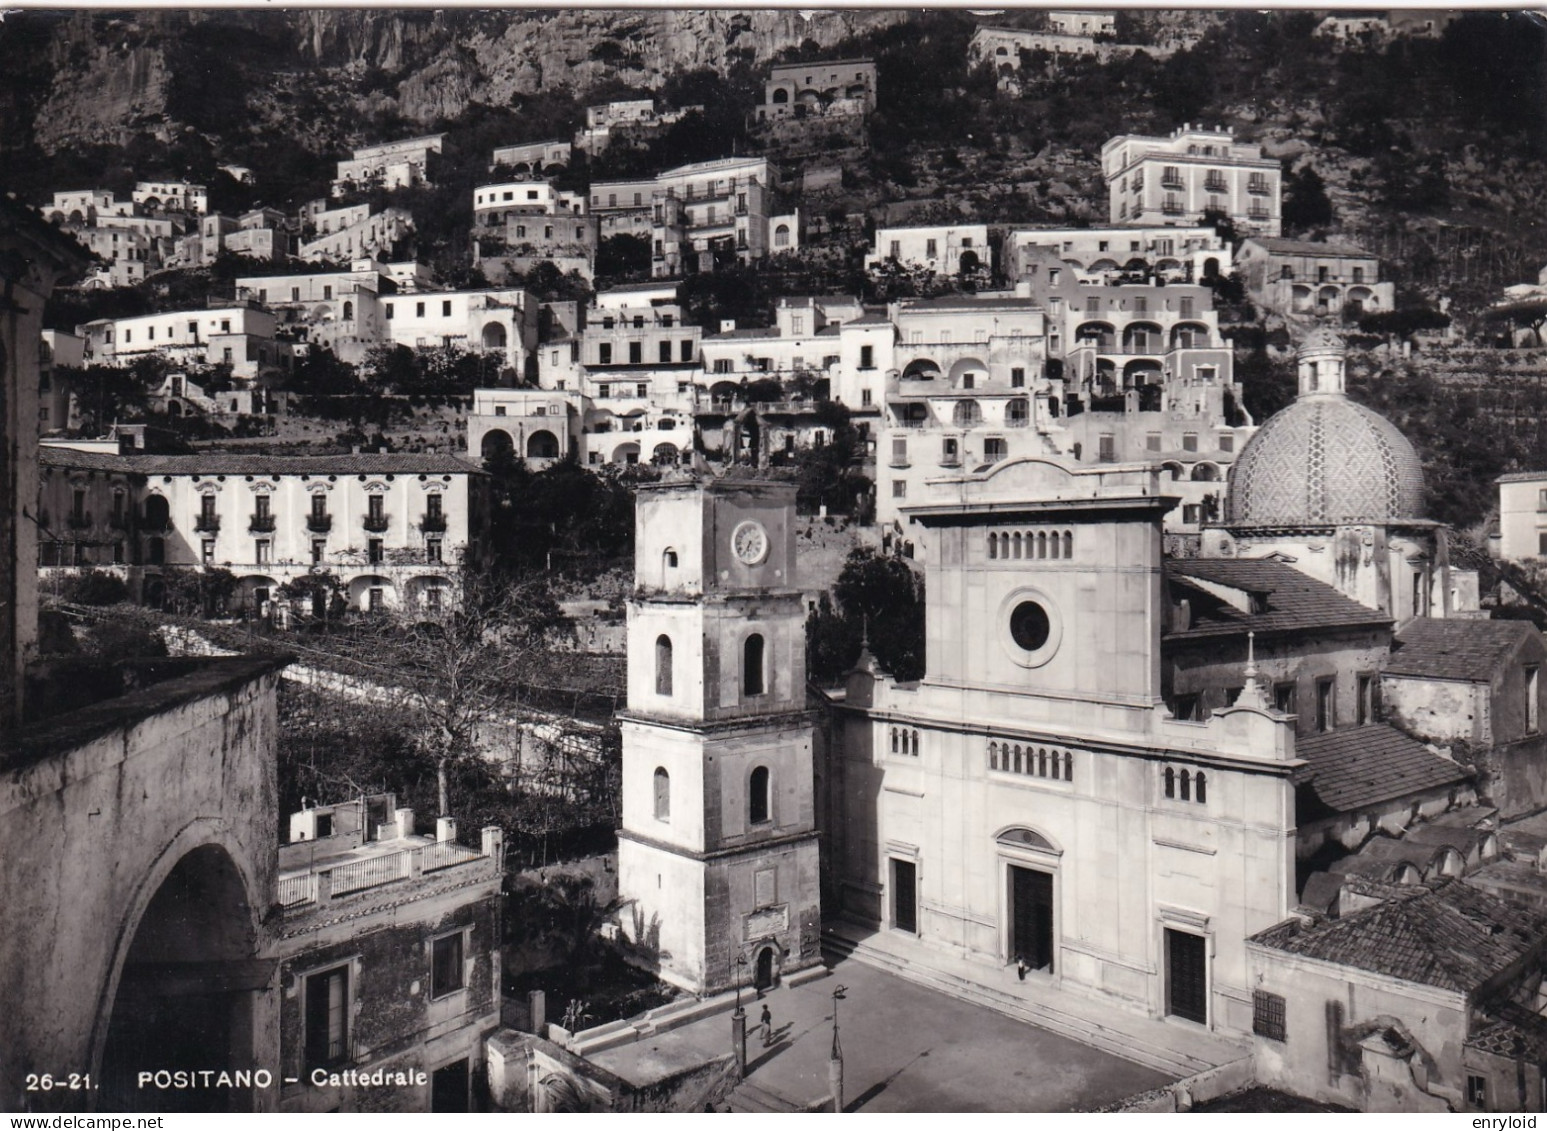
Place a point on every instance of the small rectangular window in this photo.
(1284, 698)
(899, 489)
(446, 970)
(1477, 1092)
(1326, 704)
(1366, 704)
(1268, 1015)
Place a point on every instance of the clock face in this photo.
(749, 542)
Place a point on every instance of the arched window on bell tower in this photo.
(752, 680)
(663, 665)
(662, 794)
(757, 797)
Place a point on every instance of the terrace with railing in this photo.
(348, 870)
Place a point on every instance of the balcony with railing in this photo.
(207, 523)
(319, 523)
(376, 523)
(1171, 207)
(118, 520)
(261, 523)
(78, 520)
(433, 523)
(304, 891)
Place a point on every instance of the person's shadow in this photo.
(778, 1040)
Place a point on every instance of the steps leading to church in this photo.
(1063, 1021)
(748, 1097)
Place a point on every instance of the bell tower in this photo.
(718, 850)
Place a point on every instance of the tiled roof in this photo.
(1521, 477)
(1524, 1032)
(1473, 650)
(1361, 766)
(1288, 599)
(257, 463)
(1307, 247)
(1450, 936)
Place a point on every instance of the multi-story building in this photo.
(523, 223)
(1176, 180)
(259, 234)
(639, 361)
(1301, 277)
(372, 235)
(803, 340)
(1082, 23)
(830, 88)
(395, 164)
(1111, 255)
(962, 393)
(388, 959)
(945, 250)
(532, 157)
(335, 309)
(171, 196)
(712, 211)
(241, 336)
(84, 206)
(1522, 515)
(537, 425)
(392, 528)
(501, 322)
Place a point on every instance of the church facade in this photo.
(1031, 805)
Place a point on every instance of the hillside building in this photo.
(395, 164)
(945, 250)
(391, 527)
(1299, 277)
(1175, 180)
(536, 157)
(171, 196)
(365, 235)
(241, 336)
(1522, 515)
(1114, 255)
(836, 88)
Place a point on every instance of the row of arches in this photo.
(1142, 337)
(1032, 544)
(1186, 785)
(1032, 761)
(905, 741)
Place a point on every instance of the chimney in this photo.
(727, 325)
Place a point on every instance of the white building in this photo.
(239, 336)
(934, 248)
(1174, 180)
(370, 236)
(533, 157)
(391, 527)
(537, 425)
(1522, 515)
(395, 164)
(1105, 254)
(498, 322)
(171, 196)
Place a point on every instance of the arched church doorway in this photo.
(185, 994)
(763, 975)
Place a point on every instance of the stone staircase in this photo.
(1137, 1039)
(748, 1097)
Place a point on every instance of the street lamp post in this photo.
(835, 1058)
(739, 1019)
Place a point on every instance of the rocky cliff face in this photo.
(112, 71)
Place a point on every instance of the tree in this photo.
(197, 592)
(94, 587)
(1306, 204)
(881, 597)
(454, 671)
(1530, 313)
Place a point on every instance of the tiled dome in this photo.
(1325, 459)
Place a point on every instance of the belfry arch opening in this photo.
(186, 993)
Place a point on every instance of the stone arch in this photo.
(965, 367)
(541, 444)
(1142, 337)
(664, 455)
(1101, 334)
(1189, 335)
(627, 453)
(494, 336)
(781, 96)
(921, 369)
(781, 235)
(1205, 472)
(496, 441)
(196, 908)
(966, 414)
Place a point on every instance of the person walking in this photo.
(767, 1025)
